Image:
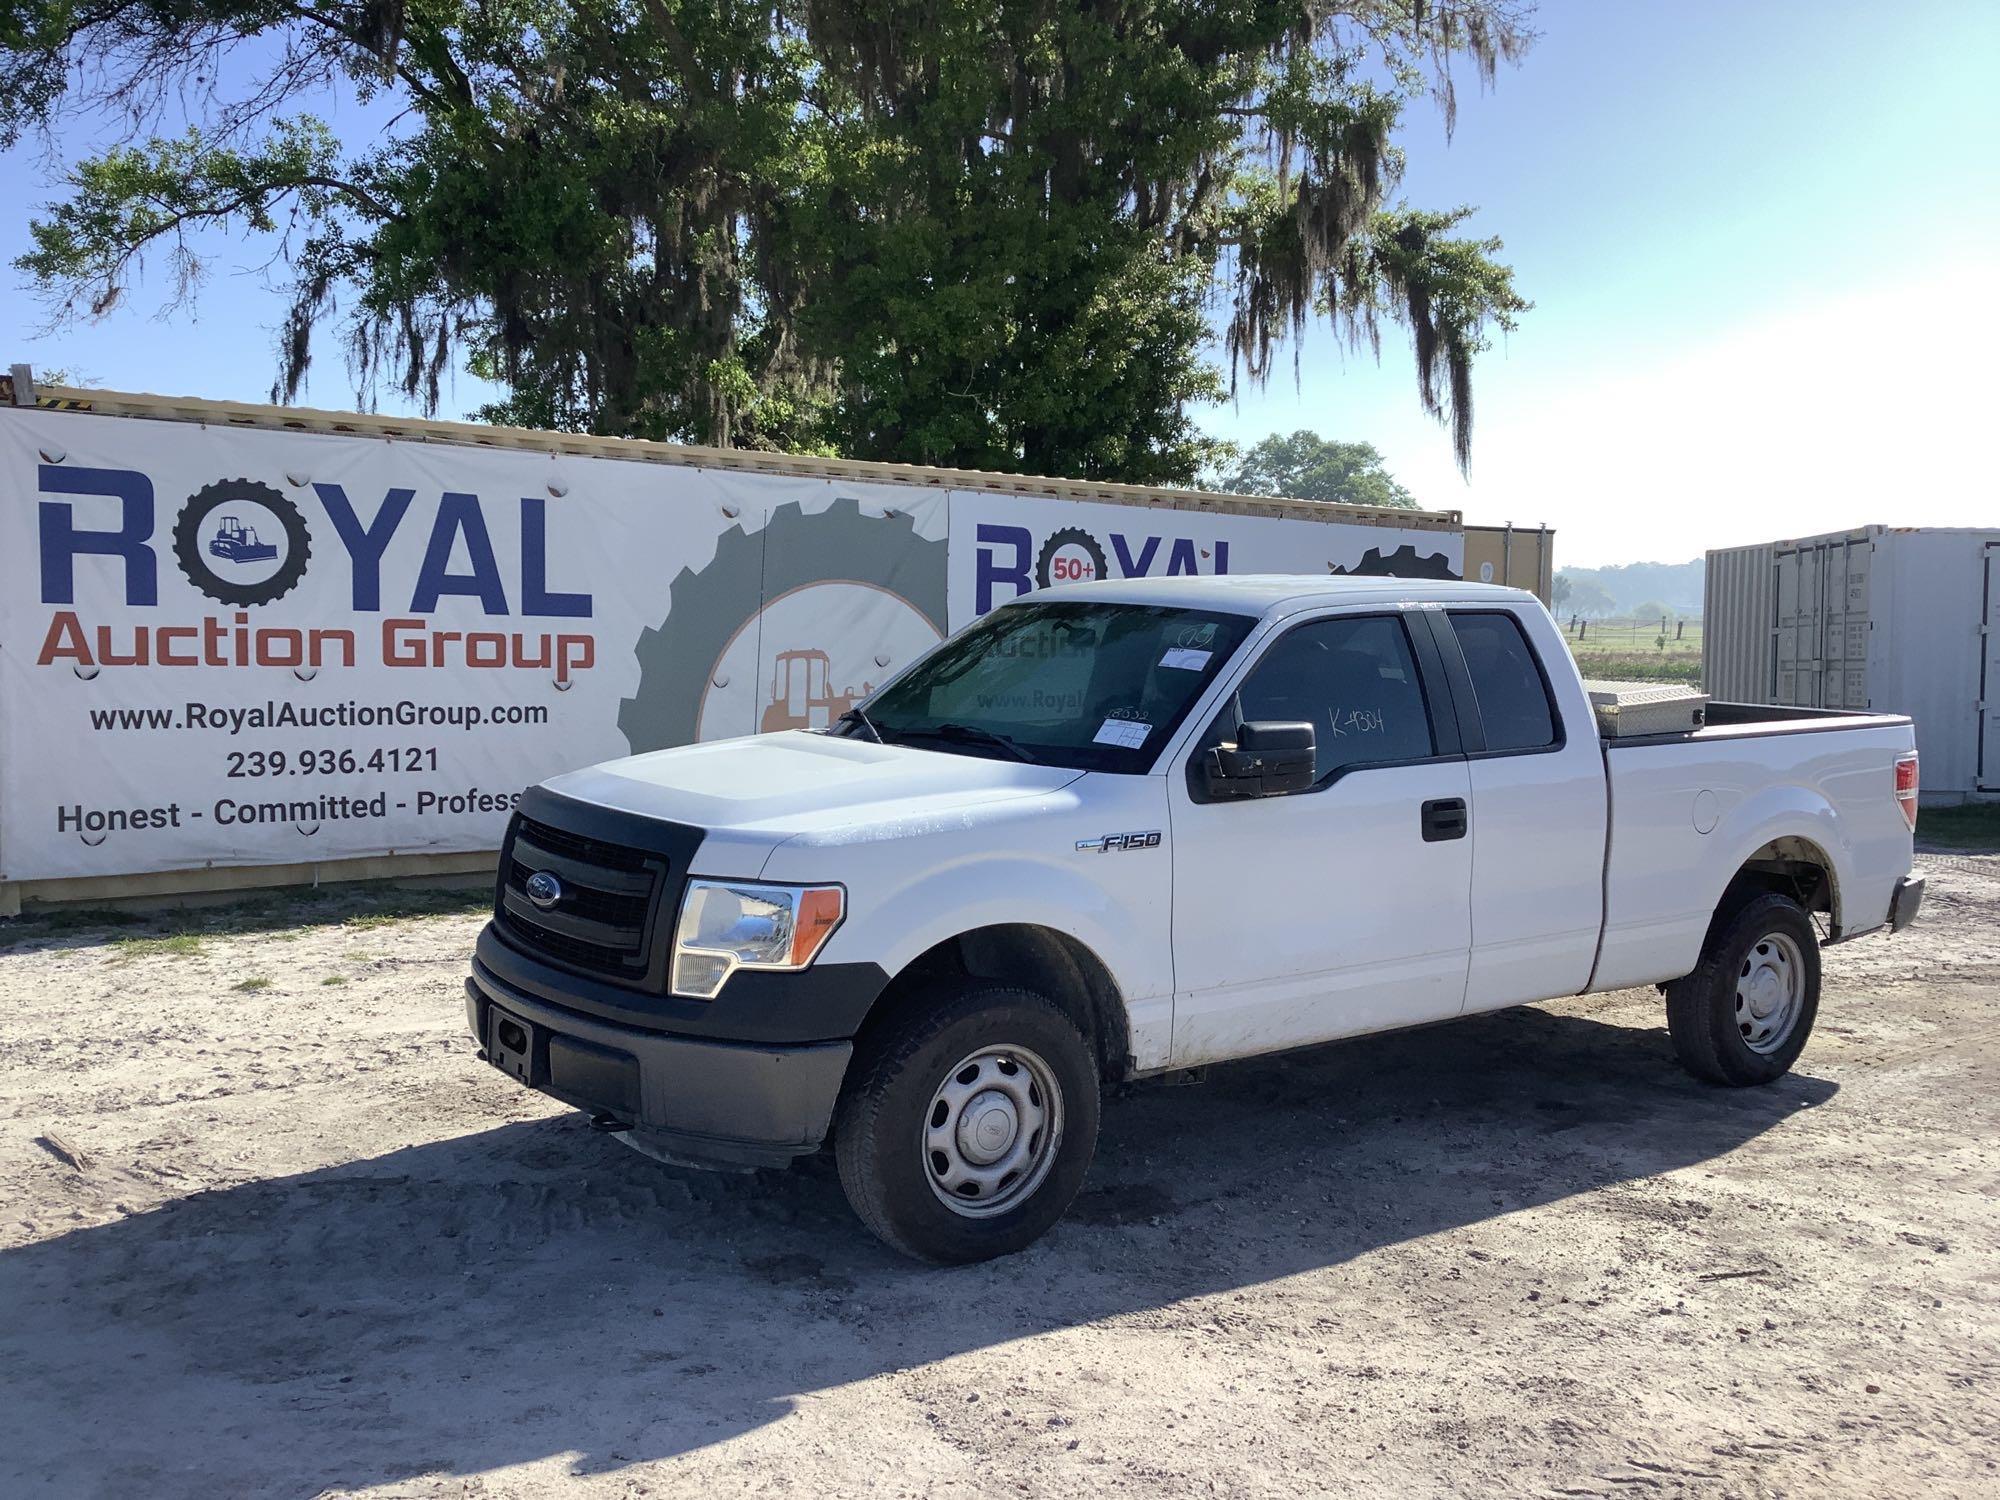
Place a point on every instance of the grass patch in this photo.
(38, 927)
(1972, 825)
(127, 950)
(278, 916)
(252, 985)
(334, 979)
(1637, 666)
(1632, 635)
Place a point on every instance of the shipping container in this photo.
(1521, 557)
(1896, 619)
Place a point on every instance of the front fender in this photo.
(921, 882)
(901, 923)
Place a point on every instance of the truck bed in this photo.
(1729, 721)
(1683, 807)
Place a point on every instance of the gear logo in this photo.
(787, 626)
(1404, 562)
(241, 542)
(1071, 555)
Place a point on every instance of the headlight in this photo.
(734, 924)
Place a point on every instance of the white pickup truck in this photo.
(1124, 828)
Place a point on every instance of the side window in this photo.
(1507, 681)
(1354, 680)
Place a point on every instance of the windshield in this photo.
(1095, 687)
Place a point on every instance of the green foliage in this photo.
(1584, 596)
(993, 234)
(1307, 466)
(1972, 826)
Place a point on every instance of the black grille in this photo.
(603, 922)
(577, 846)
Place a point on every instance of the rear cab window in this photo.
(1516, 709)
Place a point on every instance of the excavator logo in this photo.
(238, 543)
(802, 695)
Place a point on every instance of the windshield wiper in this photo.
(967, 734)
(856, 716)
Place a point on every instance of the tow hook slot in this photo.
(609, 1124)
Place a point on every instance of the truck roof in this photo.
(1261, 593)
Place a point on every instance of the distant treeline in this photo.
(1628, 587)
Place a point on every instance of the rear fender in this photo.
(1781, 812)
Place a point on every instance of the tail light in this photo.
(1906, 788)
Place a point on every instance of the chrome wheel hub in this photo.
(1770, 992)
(991, 1132)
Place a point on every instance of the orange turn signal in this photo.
(820, 909)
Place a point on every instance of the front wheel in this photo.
(966, 1126)
(1743, 1016)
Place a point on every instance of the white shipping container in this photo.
(1896, 619)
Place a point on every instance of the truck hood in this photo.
(752, 794)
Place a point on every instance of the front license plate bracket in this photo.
(510, 1045)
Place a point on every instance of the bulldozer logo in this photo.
(789, 626)
(241, 542)
(802, 695)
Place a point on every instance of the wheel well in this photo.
(1792, 867)
(1042, 959)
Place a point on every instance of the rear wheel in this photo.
(1743, 1016)
(967, 1125)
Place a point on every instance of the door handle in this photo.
(1445, 818)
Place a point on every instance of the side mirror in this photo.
(1268, 759)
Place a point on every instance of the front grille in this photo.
(578, 846)
(603, 921)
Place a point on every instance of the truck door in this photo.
(1538, 807)
(1344, 907)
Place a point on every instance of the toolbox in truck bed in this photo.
(1632, 708)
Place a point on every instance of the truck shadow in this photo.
(536, 1291)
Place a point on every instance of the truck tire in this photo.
(1743, 1016)
(966, 1126)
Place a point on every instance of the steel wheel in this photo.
(991, 1132)
(1770, 992)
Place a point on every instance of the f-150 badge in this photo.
(1110, 841)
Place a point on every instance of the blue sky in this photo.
(1762, 240)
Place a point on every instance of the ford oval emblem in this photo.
(543, 889)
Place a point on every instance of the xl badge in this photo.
(1110, 841)
(543, 889)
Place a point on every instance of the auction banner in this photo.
(1003, 546)
(233, 646)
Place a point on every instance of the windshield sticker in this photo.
(1129, 733)
(1184, 658)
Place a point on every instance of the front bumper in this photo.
(1909, 895)
(708, 1103)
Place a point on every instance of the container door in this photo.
(1799, 591)
(1823, 624)
(1785, 685)
(1989, 676)
(1844, 659)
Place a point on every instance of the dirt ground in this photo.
(268, 1227)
